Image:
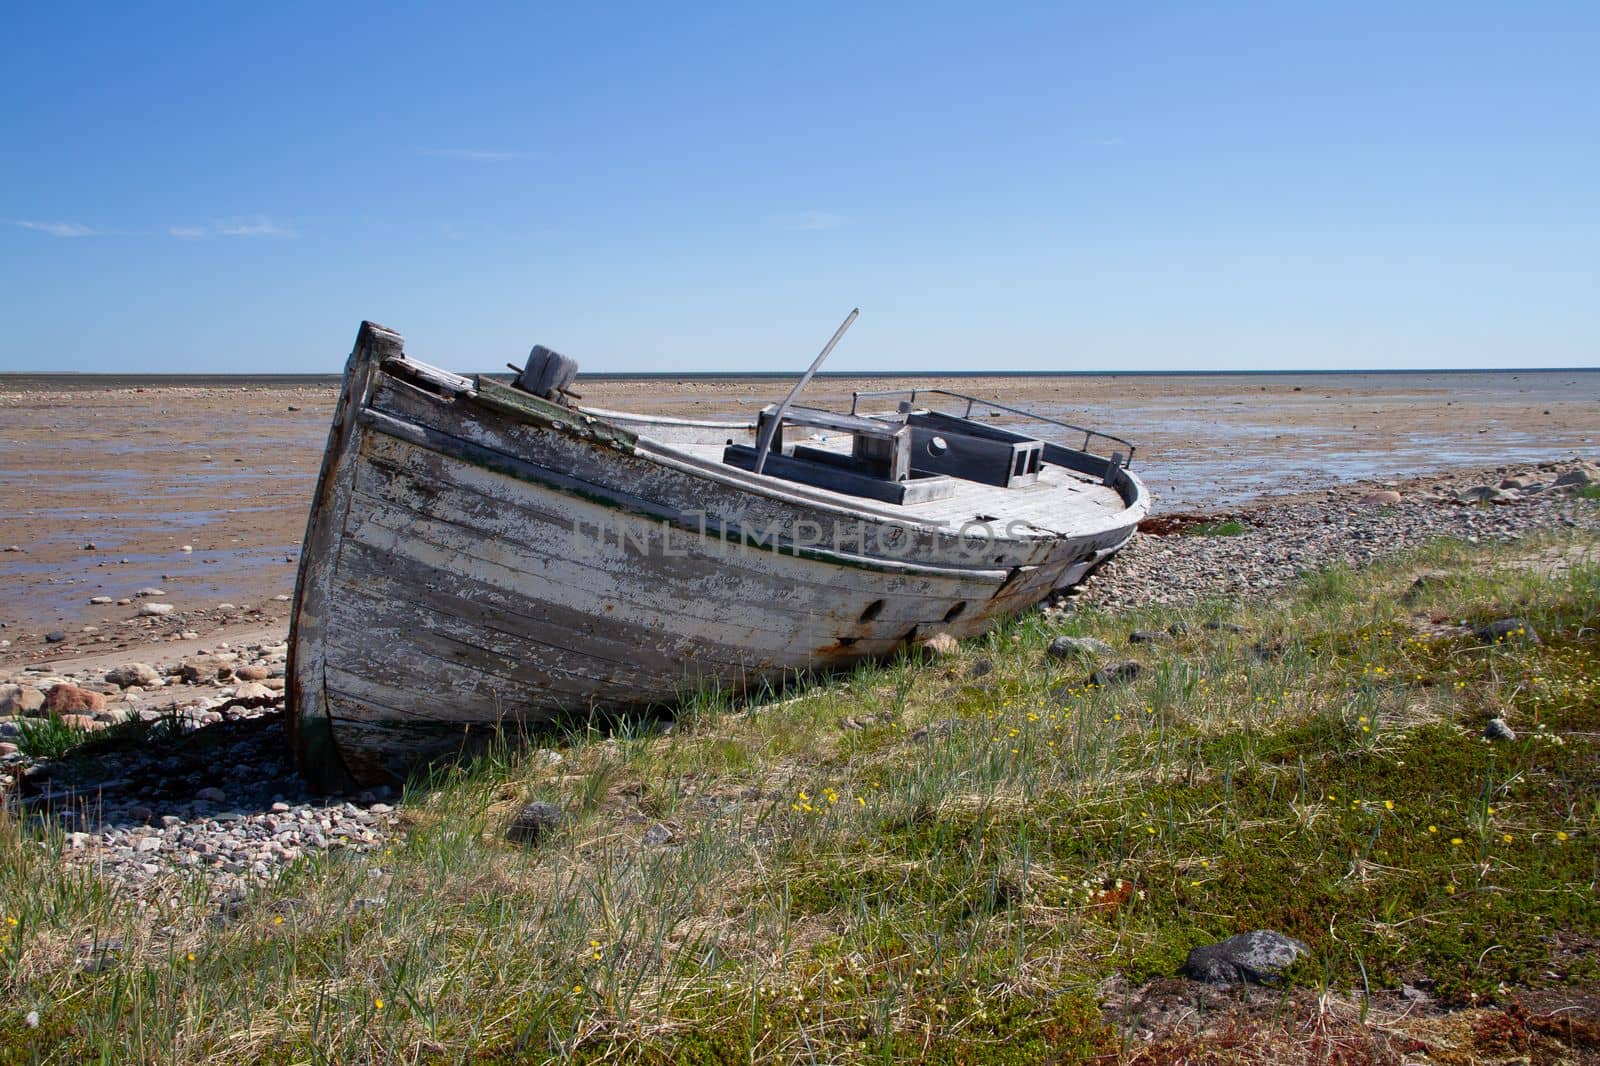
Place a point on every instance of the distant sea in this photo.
(67, 381)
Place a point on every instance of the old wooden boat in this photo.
(481, 554)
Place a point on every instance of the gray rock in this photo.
(1178, 629)
(1116, 674)
(54, 637)
(980, 668)
(211, 795)
(149, 592)
(1507, 630)
(1146, 636)
(1497, 729)
(534, 822)
(154, 610)
(128, 675)
(1580, 476)
(1217, 625)
(1073, 647)
(98, 601)
(658, 834)
(1258, 957)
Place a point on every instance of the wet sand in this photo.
(228, 470)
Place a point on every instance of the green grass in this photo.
(1588, 492)
(846, 886)
(1231, 527)
(47, 738)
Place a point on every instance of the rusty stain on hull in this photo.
(444, 590)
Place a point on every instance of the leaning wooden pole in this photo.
(764, 445)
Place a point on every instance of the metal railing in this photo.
(1089, 435)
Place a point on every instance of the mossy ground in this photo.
(931, 862)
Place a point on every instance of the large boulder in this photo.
(1580, 476)
(20, 699)
(204, 669)
(129, 675)
(68, 699)
(1258, 957)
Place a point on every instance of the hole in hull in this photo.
(956, 611)
(872, 610)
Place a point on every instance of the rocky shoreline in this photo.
(1282, 539)
(195, 780)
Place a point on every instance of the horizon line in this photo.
(663, 375)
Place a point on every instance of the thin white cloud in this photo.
(814, 220)
(244, 226)
(59, 229)
(475, 155)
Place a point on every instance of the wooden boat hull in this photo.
(484, 558)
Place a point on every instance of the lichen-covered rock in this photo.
(1116, 673)
(1257, 957)
(1073, 647)
(534, 822)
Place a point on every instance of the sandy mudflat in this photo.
(229, 471)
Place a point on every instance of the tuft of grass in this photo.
(916, 861)
(1588, 492)
(47, 738)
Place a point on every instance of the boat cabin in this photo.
(907, 458)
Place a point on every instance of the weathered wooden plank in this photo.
(712, 490)
(630, 597)
(310, 722)
(678, 562)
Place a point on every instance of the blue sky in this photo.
(234, 187)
